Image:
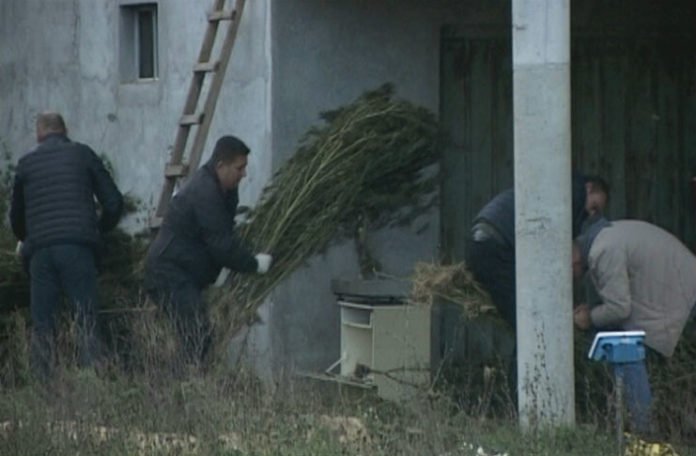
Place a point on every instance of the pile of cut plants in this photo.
(451, 283)
(369, 166)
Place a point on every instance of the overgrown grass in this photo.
(150, 408)
(84, 414)
(143, 400)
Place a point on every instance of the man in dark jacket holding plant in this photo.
(53, 213)
(490, 253)
(197, 239)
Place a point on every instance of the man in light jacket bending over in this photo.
(646, 279)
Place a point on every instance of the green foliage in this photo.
(14, 287)
(6, 175)
(364, 169)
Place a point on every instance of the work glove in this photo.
(222, 277)
(242, 215)
(264, 261)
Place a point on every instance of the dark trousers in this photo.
(492, 262)
(493, 265)
(56, 270)
(183, 303)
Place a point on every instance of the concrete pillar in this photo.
(541, 100)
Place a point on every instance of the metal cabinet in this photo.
(387, 345)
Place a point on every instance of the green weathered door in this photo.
(633, 123)
(476, 111)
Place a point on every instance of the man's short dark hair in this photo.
(598, 183)
(50, 122)
(227, 148)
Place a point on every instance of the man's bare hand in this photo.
(581, 317)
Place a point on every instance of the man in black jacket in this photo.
(197, 239)
(53, 213)
(490, 252)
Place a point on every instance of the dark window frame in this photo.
(139, 42)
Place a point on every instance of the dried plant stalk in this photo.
(451, 283)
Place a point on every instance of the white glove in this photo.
(242, 215)
(18, 249)
(222, 277)
(264, 261)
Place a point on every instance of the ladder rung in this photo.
(193, 113)
(191, 119)
(206, 67)
(155, 222)
(175, 170)
(222, 15)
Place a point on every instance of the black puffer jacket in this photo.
(197, 237)
(53, 196)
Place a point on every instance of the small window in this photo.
(138, 42)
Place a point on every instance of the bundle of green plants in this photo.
(14, 291)
(14, 284)
(363, 169)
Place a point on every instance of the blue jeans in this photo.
(70, 270)
(638, 395)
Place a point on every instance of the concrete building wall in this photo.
(293, 59)
(68, 61)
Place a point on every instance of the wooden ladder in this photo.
(194, 115)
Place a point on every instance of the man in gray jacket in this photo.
(646, 279)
